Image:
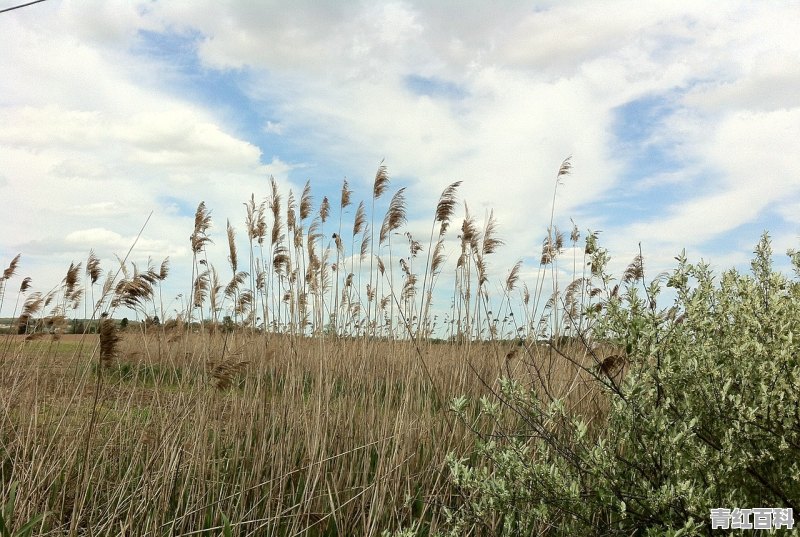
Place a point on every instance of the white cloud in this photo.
(90, 148)
(94, 136)
(274, 128)
(754, 159)
(101, 208)
(107, 239)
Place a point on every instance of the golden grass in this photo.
(282, 436)
(262, 418)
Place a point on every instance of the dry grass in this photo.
(282, 436)
(317, 405)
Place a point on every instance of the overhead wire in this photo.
(20, 6)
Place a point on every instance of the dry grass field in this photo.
(196, 434)
(307, 395)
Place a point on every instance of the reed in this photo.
(306, 394)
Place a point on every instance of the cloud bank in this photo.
(681, 118)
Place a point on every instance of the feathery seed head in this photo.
(71, 279)
(513, 276)
(575, 235)
(360, 220)
(232, 257)
(395, 216)
(12, 268)
(446, 206)
(109, 338)
(305, 201)
(163, 271)
(291, 217)
(324, 209)
(635, 271)
(381, 181)
(25, 285)
(490, 241)
(566, 167)
(93, 267)
(346, 192)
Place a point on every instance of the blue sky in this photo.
(682, 120)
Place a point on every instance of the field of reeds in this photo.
(183, 435)
(304, 389)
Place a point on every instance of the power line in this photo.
(21, 5)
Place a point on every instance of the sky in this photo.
(681, 118)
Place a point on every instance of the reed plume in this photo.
(224, 373)
(132, 292)
(324, 209)
(312, 238)
(7, 275)
(163, 270)
(513, 276)
(93, 267)
(275, 206)
(469, 230)
(360, 219)
(244, 304)
(25, 285)
(250, 216)
(446, 207)
(395, 216)
(490, 240)
(337, 240)
(200, 292)
(281, 260)
(346, 193)
(71, 279)
(236, 281)
(381, 182)
(552, 245)
(575, 234)
(232, 257)
(32, 305)
(635, 271)
(306, 201)
(572, 302)
(75, 298)
(566, 167)
(202, 221)
(12, 268)
(109, 339)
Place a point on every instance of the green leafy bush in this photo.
(705, 415)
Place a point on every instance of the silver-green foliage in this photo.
(708, 415)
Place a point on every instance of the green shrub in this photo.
(706, 415)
